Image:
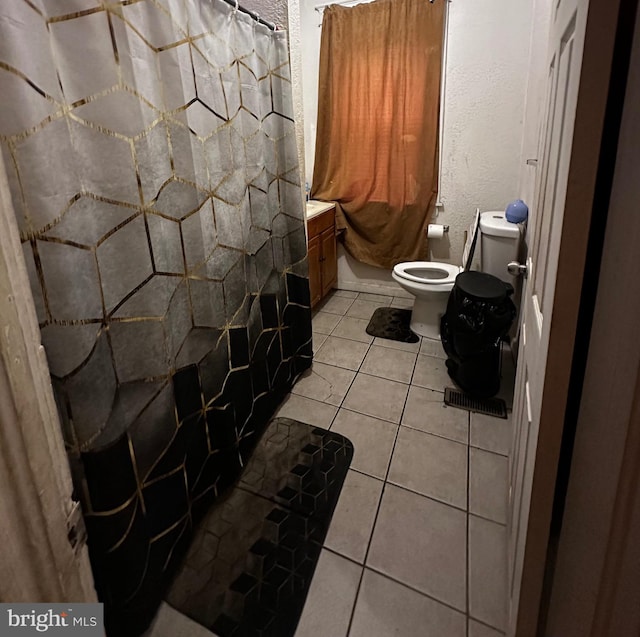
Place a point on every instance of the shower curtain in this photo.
(377, 140)
(152, 162)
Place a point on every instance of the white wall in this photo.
(310, 38)
(274, 11)
(486, 76)
(361, 277)
(484, 99)
(297, 82)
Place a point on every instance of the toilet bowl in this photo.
(430, 282)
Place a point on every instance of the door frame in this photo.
(593, 584)
(600, 35)
(38, 564)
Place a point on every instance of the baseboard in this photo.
(386, 289)
(355, 276)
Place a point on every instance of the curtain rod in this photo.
(345, 3)
(253, 14)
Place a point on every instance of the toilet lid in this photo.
(430, 272)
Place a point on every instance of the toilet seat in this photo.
(429, 273)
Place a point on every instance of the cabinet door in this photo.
(315, 281)
(329, 259)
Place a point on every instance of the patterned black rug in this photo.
(392, 323)
(250, 565)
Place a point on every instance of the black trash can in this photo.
(479, 315)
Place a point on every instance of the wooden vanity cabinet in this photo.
(323, 265)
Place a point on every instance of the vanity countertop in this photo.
(314, 208)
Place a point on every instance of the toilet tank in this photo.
(500, 243)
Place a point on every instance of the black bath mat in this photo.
(252, 558)
(392, 323)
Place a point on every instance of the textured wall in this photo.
(310, 30)
(484, 100)
(272, 10)
(297, 81)
(486, 77)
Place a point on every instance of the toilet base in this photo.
(426, 315)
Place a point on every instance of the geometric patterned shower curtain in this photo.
(152, 162)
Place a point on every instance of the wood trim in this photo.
(315, 270)
(617, 611)
(38, 562)
(592, 99)
(322, 254)
(329, 260)
(596, 586)
(321, 222)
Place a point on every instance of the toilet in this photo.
(430, 281)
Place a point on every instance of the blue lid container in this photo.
(517, 211)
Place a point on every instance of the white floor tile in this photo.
(431, 465)
(306, 410)
(372, 441)
(335, 305)
(401, 302)
(169, 622)
(377, 397)
(342, 352)
(491, 434)
(324, 322)
(352, 521)
(318, 340)
(418, 540)
(363, 309)
(380, 299)
(425, 410)
(432, 347)
(422, 543)
(347, 294)
(391, 344)
(386, 608)
(431, 372)
(327, 610)
(488, 572)
(389, 363)
(488, 485)
(476, 629)
(325, 383)
(353, 328)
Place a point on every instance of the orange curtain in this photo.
(377, 132)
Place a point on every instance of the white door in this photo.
(43, 557)
(566, 43)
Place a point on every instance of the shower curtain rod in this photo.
(345, 3)
(253, 14)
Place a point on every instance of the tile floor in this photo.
(417, 545)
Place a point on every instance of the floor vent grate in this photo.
(489, 406)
